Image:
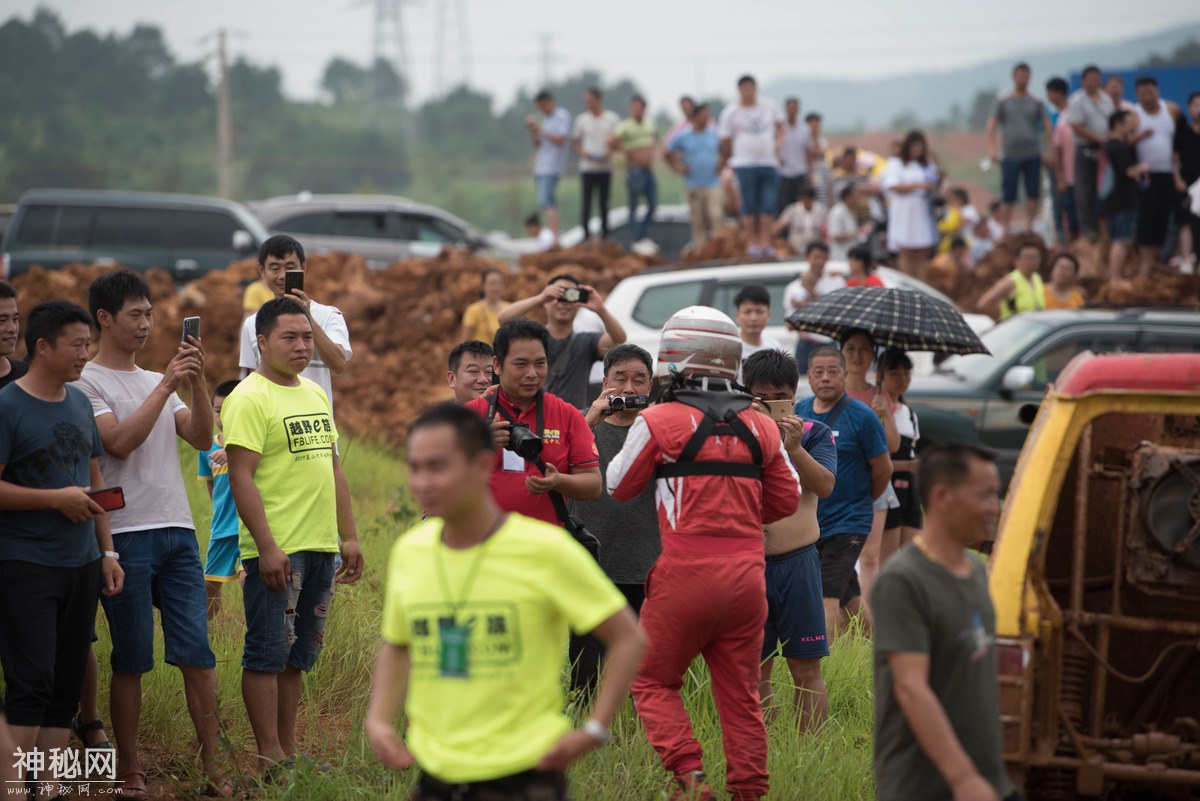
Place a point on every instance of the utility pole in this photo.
(546, 57)
(224, 122)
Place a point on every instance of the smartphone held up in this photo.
(293, 279)
(191, 328)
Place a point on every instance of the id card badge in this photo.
(513, 463)
(452, 656)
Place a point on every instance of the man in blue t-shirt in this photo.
(223, 559)
(56, 547)
(695, 154)
(864, 469)
(795, 610)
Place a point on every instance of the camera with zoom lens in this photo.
(619, 403)
(523, 442)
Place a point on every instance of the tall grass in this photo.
(834, 766)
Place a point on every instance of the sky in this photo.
(667, 46)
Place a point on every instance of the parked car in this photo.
(1095, 578)
(186, 235)
(979, 398)
(7, 210)
(644, 302)
(380, 228)
(671, 230)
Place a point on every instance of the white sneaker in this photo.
(645, 247)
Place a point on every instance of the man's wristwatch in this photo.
(597, 731)
(113, 555)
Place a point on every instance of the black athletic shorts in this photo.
(839, 553)
(1156, 203)
(908, 513)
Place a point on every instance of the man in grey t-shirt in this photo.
(937, 703)
(570, 355)
(549, 139)
(1015, 127)
(628, 532)
(1088, 110)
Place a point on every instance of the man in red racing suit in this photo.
(706, 595)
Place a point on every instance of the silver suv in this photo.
(380, 228)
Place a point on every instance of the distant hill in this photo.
(854, 104)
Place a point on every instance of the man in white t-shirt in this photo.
(331, 339)
(843, 227)
(808, 286)
(795, 156)
(751, 133)
(590, 136)
(753, 305)
(139, 415)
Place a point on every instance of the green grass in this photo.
(834, 766)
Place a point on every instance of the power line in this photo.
(453, 46)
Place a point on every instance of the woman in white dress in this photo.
(908, 179)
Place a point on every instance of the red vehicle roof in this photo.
(1134, 372)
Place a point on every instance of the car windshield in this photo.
(1011, 337)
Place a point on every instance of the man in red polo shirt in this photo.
(568, 447)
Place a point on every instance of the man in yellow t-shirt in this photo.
(255, 296)
(293, 503)
(475, 628)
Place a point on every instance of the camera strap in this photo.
(494, 407)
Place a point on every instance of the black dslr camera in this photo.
(523, 442)
(619, 403)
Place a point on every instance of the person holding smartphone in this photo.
(56, 548)
(140, 415)
(277, 257)
(795, 610)
(570, 354)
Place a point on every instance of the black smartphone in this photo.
(191, 328)
(574, 294)
(293, 279)
(110, 499)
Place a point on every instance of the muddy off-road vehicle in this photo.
(1095, 575)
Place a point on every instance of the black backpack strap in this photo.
(687, 465)
(837, 410)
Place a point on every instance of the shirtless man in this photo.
(795, 611)
(637, 138)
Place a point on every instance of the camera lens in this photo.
(524, 443)
(616, 403)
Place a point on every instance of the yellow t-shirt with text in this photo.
(531, 581)
(292, 428)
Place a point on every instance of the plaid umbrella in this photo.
(896, 318)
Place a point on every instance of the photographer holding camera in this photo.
(530, 426)
(570, 355)
(628, 532)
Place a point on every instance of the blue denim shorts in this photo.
(162, 568)
(547, 191)
(1121, 225)
(1012, 171)
(287, 627)
(760, 189)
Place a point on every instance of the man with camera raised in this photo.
(569, 354)
(546, 450)
(628, 532)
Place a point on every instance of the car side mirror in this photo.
(1017, 378)
(242, 243)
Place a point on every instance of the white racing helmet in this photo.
(699, 341)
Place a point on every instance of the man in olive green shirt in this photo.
(637, 138)
(937, 706)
